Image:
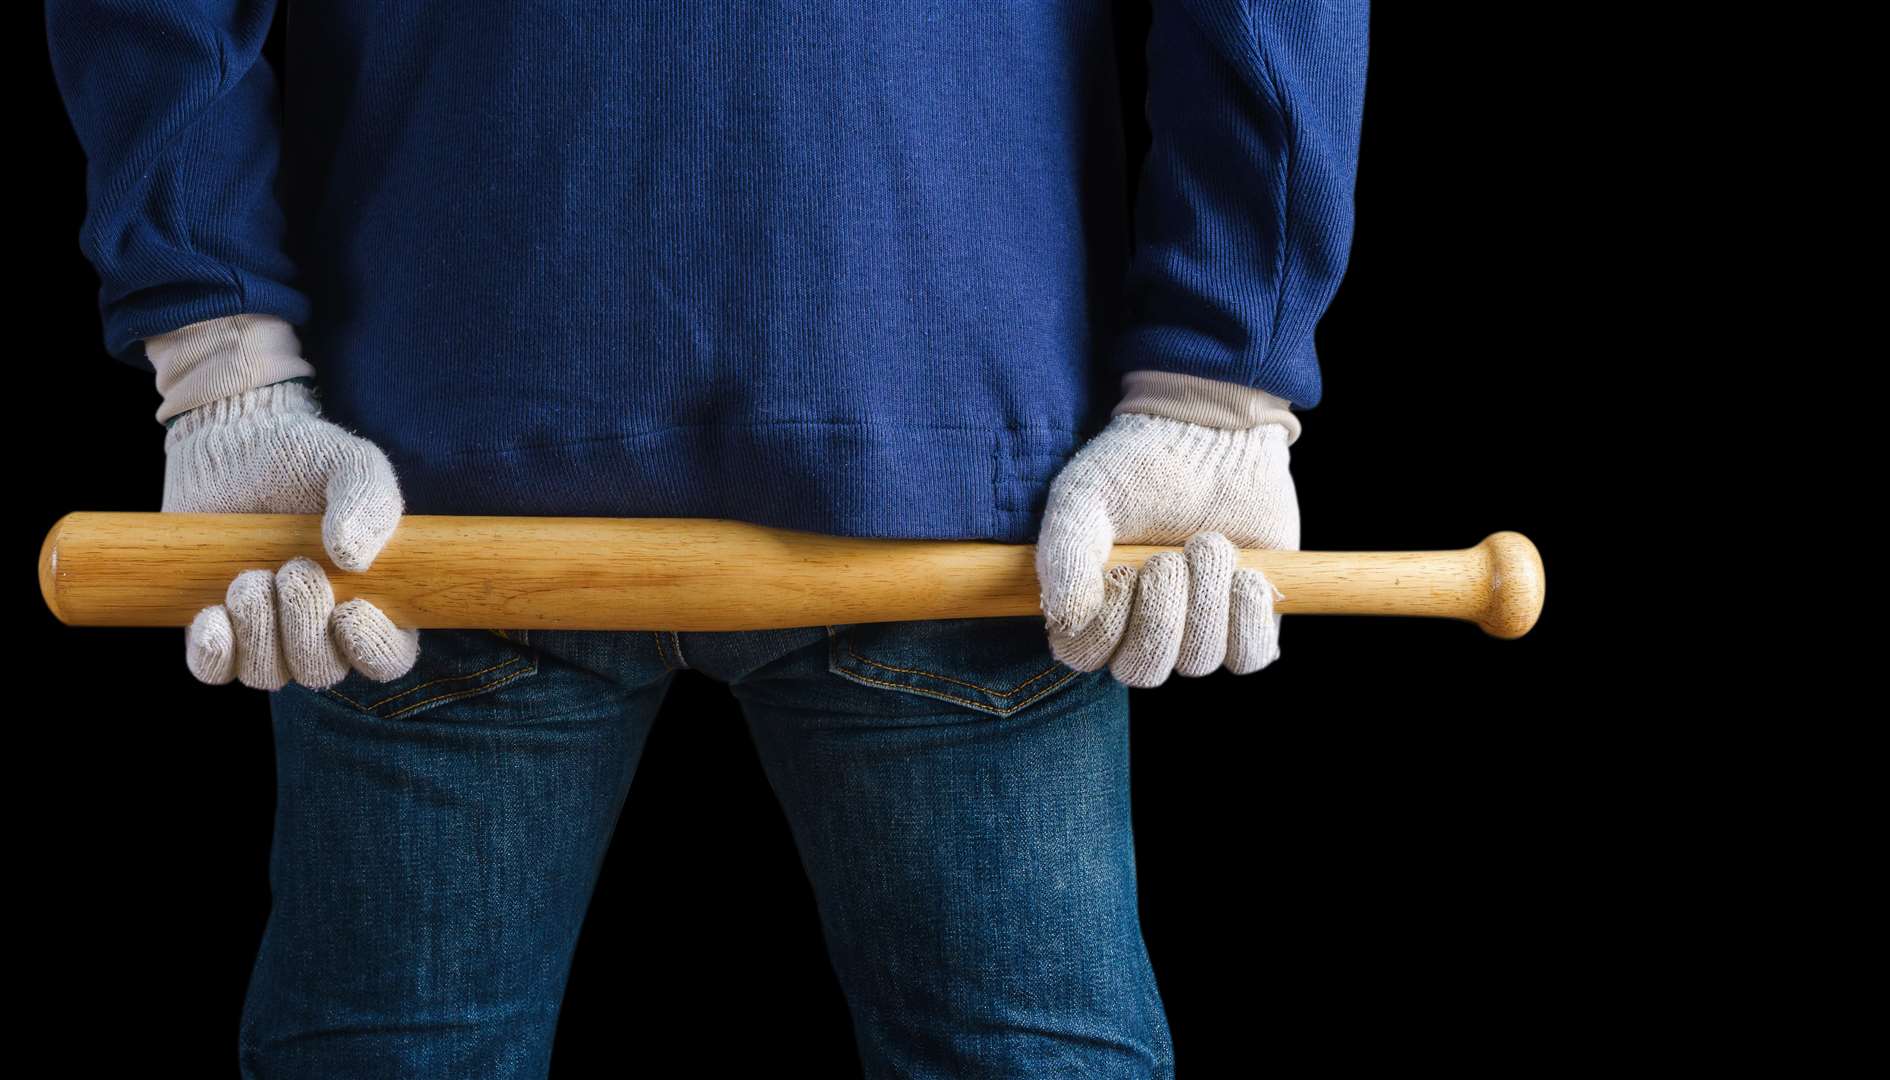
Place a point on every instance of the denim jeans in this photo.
(960, 800)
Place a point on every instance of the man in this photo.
(860, 269)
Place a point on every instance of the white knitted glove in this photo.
(1183, 461)
(269, 451)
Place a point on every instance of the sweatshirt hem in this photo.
(844, 479)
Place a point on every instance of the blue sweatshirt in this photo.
(860, 268)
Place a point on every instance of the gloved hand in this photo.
(268, 450)
(1183, 461)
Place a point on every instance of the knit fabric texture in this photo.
(301, 380)
(270, 451)
(1208, 402)
(862, 269)
(276, 627)
(1150, 479)
(199, 363)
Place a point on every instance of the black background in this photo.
(1401, 843)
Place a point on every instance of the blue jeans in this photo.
(959, 798)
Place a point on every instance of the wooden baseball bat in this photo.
(595, 573)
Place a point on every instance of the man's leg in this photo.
(961, 804)
(437, 839)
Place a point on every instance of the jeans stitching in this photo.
(431, 682)
(1054, 664)
(468, 692)
(662, 652)
(971, 702)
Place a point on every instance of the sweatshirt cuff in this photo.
(1209, 402)
(215, 358)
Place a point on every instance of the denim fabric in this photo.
(960, 801)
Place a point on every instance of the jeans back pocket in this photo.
(999, 665)
(452, 665)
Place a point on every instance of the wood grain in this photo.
(590, 573)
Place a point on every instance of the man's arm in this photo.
(177, 112)
(1243, 218)
(1243, 223)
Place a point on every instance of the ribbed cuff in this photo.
(1209, 402)
(216, 358)
(277, 399)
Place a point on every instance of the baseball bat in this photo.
(598, 573)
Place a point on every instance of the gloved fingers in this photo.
(1092, 646)
(305, 601)
(210, 646)
(364, 503)
(272, 628)
(1073, 548)
(1253, 628)
(372, 643)
(1211, 559)
(1153, 637)
(251, 604)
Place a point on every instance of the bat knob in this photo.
(49, 567)
(1516, 583)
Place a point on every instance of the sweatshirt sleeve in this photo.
(177, 112)
(1243, 218)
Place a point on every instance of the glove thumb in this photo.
(1072, 549)
(363, 504)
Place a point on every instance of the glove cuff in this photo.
(1208, 402)
(221, 357)
(277, 400)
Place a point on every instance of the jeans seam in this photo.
(468, 692)
(662, 651)
(970, 702)
(501, 665)
(675, 639)
(1054, 664)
